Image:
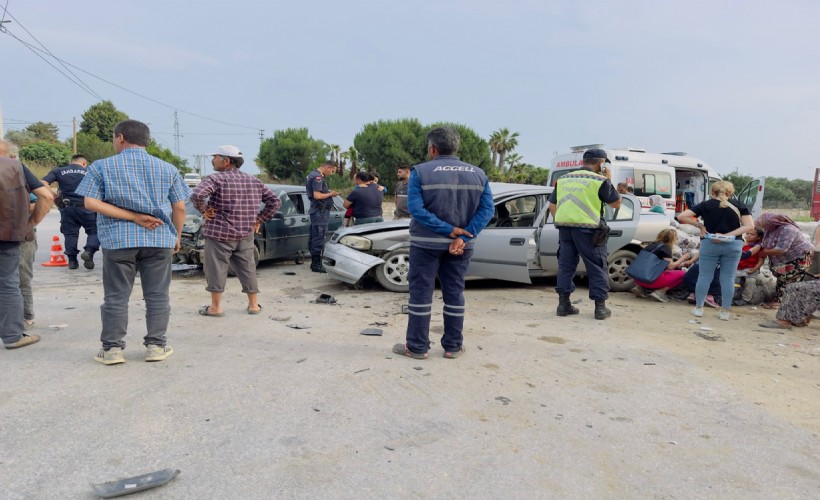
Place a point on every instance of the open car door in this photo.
(752, 196)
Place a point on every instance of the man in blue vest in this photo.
(576, 205)
(450, 202)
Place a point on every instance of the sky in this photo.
(734, 83)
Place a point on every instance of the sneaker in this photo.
(697, 312)
(739, 302)
(24, 341)
(157, 352)
(639, 291)
(88, 259)
(659, 296)
(710, 301)
(724, 315)
(112, 356)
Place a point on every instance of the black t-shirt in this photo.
(367, 201)
(68, 177)
(720, 220)
(659, 249)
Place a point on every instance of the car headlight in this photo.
(356, 242)
(192, 224)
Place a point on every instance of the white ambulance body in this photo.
(683, 181)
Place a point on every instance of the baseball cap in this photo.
(596, 154)
(230, 151)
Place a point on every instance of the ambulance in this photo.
(682, 180)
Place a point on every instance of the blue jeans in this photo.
(712, 254)
(119, 270)
(425, 265)
(11, 300)
(575, 243)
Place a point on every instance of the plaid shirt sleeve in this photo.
(272, 204)
(179, 190)
(92, 185)
(201, 194)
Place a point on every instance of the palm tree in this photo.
(505, 143)
(353, 156)
(495, 141)
(513, 160)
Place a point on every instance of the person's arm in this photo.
(746, 225)
(272, 204)
(691, 218)
(318, 195)
(485, 212)
(178, 219)
(202, 193)
(415, 204)
(144, 220)
(42, 206)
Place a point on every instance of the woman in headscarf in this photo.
(800, 300)
(788, 251)
(657, 204)
(724, 220)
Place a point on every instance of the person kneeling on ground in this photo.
(672, 276)
(751, 260)
(798, 303)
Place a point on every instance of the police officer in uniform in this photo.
(575, 205)
(450, 202)
(73, 214)
(321, 201)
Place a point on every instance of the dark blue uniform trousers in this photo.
(71, 220)
(425, 265)
(575, 242)
(319, 219)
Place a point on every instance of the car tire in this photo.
(395, 272)
(619, 281)
(255, 259)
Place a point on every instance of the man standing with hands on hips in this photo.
(450, 202)
(321, 201)
(576, 205)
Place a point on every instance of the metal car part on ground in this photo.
(519, 243)
(283, 237)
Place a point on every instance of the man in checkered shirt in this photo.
(229, 200)
(140, 202)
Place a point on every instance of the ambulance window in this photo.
(649, 183)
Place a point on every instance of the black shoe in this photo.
(316, 264)
(565, 307)
(601, 311)
(88, 259)
(72, 262)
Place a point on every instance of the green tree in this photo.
(92, 147)
(385, 144)
(100, 119)
(525, 173)
(291, 154)
(46, 153)
(737, 179)
(473, 148)
(20, 137)
(353, 156)
(43, 131)
(502, 142)
(163, 153)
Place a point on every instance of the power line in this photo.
(79, 80)
(31, 47)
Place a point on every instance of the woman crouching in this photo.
(663, 247)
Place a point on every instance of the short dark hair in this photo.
(78, 157)
(445, 139)
(134, 132)
(328, 163)
(236, 161)
(364, 176)
(403, 167)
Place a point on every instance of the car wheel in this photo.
(232, 273)
(300, 258)
(395, 271)
(619, 281)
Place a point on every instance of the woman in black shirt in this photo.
(724, 222)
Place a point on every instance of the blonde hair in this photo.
(668, 237)
(723, 190)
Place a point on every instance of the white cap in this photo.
(229, 151)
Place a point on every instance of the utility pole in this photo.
(261, 136)
(176, 134)
(74, 134)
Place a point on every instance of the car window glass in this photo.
(287, 207)
(625, 211)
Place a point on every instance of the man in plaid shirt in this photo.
(140, 202)
(229, 200)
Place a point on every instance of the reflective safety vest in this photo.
(578, 204)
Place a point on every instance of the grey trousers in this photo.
(28, 250)
(119, 270)
(236, 254)
(11, 300)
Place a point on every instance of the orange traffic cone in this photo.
(57, 258)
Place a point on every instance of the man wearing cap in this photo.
(576, 205)
(321, 201)
(229, 200)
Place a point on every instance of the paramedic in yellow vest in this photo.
(575, 205)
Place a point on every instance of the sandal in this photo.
(404, 351)
(770, 305)
(206, 311)
(454, 354)
(251, 311)
(774, 324)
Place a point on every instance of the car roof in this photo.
(502, 188)
(288, 188)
